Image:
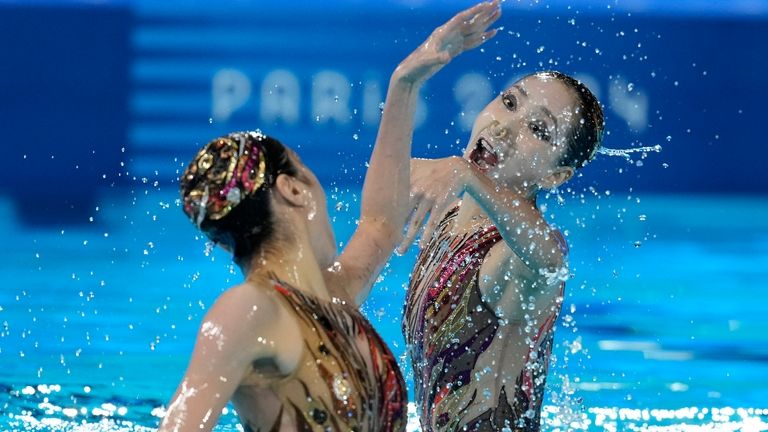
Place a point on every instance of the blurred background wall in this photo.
(97, 95)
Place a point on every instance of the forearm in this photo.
(387, 182)
(386, 201)
(519, 222)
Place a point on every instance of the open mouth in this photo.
(483, 155)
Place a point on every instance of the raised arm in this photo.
(385, 200)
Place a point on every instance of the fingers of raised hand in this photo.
(467, 30)
(484, 16)
(429, 229)
(479, 9)
(418, 215)
(436, 210)
(478, 39)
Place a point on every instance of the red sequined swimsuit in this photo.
(448, 327)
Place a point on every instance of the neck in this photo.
(293, 263)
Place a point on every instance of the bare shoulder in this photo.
(246, 303)
(502, 261)
(249, 320)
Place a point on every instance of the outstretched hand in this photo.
(465, 31)
(435, 185)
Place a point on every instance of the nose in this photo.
(498, 131)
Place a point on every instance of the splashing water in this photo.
(69, 409)
(625, 153)
(214, 333)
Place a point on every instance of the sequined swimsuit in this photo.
(347, 380)
(448, 327)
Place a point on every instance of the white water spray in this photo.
(625, 153)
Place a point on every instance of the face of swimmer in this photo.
(307, 197)
(520, 137)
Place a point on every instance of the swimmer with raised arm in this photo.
(288, 346)
(488, 284)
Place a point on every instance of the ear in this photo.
(559, 176)
(291, 190)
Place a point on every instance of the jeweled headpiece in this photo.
(224, 172)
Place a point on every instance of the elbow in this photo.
(554, 268)
(554, 260)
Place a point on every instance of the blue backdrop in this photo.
(123, 93)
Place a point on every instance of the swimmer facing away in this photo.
(488, 283)
(288, 346)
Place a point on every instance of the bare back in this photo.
(347, 379)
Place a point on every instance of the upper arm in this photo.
(240, 327)
(505, 280)
(519, 221)
(537, 245)
(361, 261)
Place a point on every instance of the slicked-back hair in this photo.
(250, 226)
(586, 132)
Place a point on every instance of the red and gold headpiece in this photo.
(224, 172)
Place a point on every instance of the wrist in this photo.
(403, 81)
(465, 173)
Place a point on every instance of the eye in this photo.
(510, 101)
(540, 130)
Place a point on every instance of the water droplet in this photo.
(575, 346)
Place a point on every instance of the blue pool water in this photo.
(663, 326)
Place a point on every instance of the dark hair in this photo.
(586, 133)
(249, 226)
